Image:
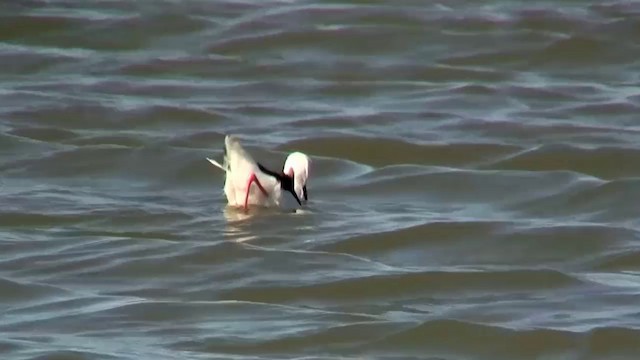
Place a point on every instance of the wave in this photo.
(389, 151)
(93, 115)
(20, 292)
(595, 202)
(457, 338)
(408, 284)
(441, 232)
(590, 161)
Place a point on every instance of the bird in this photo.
(242, 171)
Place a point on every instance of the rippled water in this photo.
(474, 190)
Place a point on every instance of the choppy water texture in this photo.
(474, 195)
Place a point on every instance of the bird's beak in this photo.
(295, 196)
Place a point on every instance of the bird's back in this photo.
(238, 159)
(241, 167)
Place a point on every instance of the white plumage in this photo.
(249, 183)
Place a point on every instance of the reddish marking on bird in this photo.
(253, 179)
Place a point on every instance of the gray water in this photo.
(473, 195)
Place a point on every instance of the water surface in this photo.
(474, 190)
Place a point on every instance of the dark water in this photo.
(474, 194)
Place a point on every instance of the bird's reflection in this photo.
(244, 225)
(258, 221)
(238, 224)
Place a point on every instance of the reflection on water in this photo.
(237, 227)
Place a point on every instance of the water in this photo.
(474, 189)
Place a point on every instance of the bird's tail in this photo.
(217, 164)
(228, 140)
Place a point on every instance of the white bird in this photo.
(242, 171)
